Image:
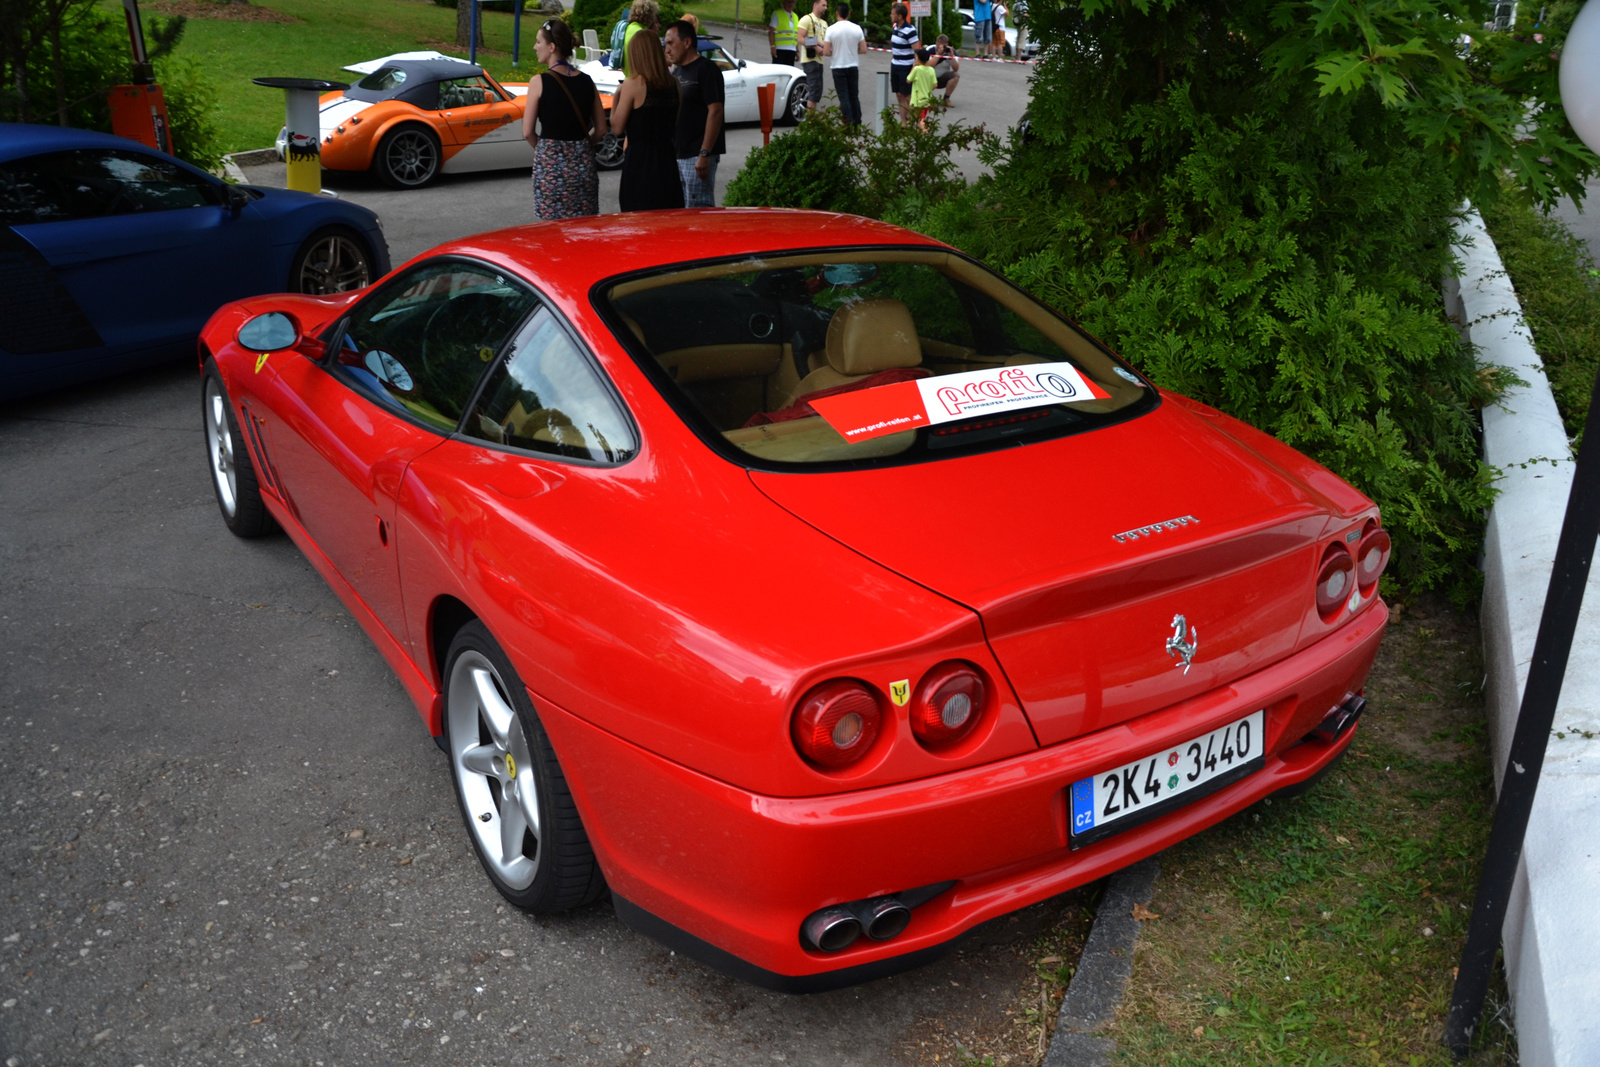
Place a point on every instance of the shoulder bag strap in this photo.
(583, 123)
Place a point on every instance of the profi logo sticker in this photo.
(900, 692)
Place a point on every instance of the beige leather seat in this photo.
(864, 337)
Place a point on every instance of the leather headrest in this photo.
(633, 324)
(868, 336)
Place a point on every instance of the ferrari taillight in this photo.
(836, 722)
(1335, 581)
(1372, 555)
(948, 703)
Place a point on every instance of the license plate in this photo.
(1126, 796)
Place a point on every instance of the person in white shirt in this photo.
(844, 46)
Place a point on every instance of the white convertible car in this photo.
(740, 77)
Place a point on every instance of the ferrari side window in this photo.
(421, 344)
(548, 397)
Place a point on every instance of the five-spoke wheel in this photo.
(513, 795)
(232, 476)
(332, 260)
(794, 110)
(608, 153)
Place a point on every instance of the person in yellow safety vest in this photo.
(783, 34)
(642, 15)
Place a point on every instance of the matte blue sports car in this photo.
(113, 255)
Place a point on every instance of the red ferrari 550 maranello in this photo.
(794, 577)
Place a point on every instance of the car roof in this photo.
(18, 139)
(569, 256)
(435, 69)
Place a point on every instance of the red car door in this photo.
(401, 369)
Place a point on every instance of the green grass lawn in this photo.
(330, 34)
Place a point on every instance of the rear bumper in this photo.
(727, 875)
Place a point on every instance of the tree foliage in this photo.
(830, 165)
(1252, 200)
(58, 58)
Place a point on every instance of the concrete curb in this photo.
(1103, 972)
(254, 157)
(1551, 924)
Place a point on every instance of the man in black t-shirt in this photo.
(699, 141)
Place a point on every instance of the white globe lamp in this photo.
(1580, 76)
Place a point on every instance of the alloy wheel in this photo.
(494, 770)
(411, 157)
(333, 264)
(219, 446)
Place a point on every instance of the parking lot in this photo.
(229, 839)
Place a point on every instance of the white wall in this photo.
(1552, 929)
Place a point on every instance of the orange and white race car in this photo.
(416, 115)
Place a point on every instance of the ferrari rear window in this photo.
(866, 356)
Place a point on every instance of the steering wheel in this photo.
(448, 335)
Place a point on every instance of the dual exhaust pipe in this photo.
(835, 928)
(1339, 719)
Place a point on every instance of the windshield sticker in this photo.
(869, 413)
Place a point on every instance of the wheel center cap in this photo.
(511, 765)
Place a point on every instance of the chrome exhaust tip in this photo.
(883, 917)
(831, 929)
(1339, 720)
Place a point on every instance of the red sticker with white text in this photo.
(886, 409)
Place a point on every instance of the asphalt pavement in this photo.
(227, 836)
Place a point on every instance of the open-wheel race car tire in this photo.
(513, 795)
(408, 157)
(233, 477)
(794, 109)
(608, 153)
(335, 259)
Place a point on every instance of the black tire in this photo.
(335, 259)
(233, 476)
(408, 157)
(497, 768)
(794, 109)
(608, 153)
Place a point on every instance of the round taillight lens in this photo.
(1336, 580)
(1372, 555)
(948, 703)
(836, 722)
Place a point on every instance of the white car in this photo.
(1030, 50)
(740, 78)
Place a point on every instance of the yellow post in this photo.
(302, 128)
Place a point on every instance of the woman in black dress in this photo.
(646, 109)
(570, 120)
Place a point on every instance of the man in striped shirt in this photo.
(903, 45)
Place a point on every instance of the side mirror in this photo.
(272, 332)
(741, 64)
(234, 199)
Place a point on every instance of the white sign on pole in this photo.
(921, 9)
